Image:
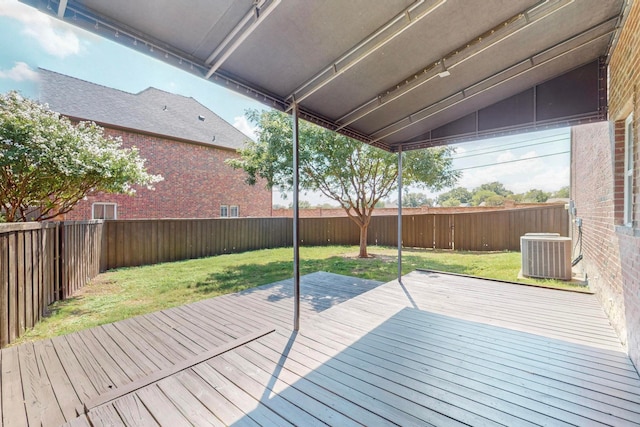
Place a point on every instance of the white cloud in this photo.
(242, 124)
(52, 35)
(19, 73)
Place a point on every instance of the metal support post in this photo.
(400, 214)
(296, 221)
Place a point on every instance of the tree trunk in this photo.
(364, 228)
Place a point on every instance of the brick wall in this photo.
(196, 183)
(593, 192)
(612, 250)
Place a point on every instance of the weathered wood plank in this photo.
(228, 413)
(197, 413)
(238, 397)
(105, 416)
(333, 394)
(40, 400)
(268, 386)
(120, 358)
(91, 367)
(79, 422)
(13, 401)
(133, 412)
(50, 365)
(144, 342)
(244, 380)
(161, 408)
(157, 376)
(77, 376)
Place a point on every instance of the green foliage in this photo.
(536, 196)
(455, 197)
(495, 194)
(563, 193)
(415, 200)
(355, 175)
(47, 164)
(495, 187)
(488, 197)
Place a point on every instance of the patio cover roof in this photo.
(390, 73)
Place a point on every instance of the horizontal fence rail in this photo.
(41, 263)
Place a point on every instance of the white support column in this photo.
(400, 214)
(296, 221)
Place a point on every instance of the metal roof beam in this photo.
(62, 7)
(474, 47)
(258, 13)
(393, 28)
(468, 93)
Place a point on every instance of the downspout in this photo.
(296, 221)
(400, 214)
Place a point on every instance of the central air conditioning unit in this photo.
(546, 256)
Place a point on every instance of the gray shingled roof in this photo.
(152, 110)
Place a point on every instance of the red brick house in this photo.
(181, 139)
(604, 185)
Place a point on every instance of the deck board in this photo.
(437, 350)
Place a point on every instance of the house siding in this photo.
(611, 249)
(196, 183)
(594, 195)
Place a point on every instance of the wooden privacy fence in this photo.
(41, 263)
(141, 242)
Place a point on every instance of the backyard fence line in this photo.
(41, 263)
(141, 242)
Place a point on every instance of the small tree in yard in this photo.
(47, 165)
(355, 175)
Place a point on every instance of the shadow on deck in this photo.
(439, 350)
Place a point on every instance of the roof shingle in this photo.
(151, 110)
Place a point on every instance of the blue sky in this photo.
(30, 39)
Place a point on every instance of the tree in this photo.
(455, 197)
(496, 187)
(415, 200)
(47, 165)
(535, 196)
(488, 197)
(562, 193)
(355, 175)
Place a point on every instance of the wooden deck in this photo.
(437, 350)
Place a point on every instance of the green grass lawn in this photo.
(128, 292)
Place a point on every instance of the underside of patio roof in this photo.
(390, 73)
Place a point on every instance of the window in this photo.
(105, 211)
(628, 171)
(224, 211)
(234, 212)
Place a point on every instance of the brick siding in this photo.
(594, 195)
(612, 250)
(196, 183)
